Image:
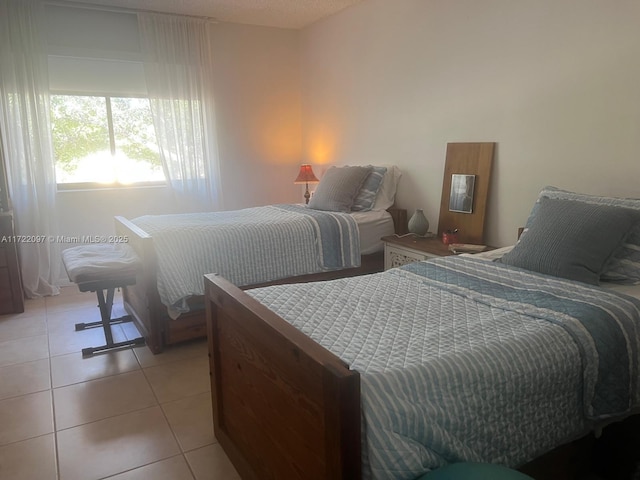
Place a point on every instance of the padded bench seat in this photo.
(99, 268)
(101, 262)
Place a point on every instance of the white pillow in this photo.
(387, 194)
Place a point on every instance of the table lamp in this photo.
(306, 176)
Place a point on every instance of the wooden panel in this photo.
(283, 406)
(187, 327)
(12, 300)
(468, 159)
(399, 216)
(5, 204)
(6, 299)
(255, 385)
(3, 256)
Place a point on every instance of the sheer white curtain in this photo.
(26, 141)
(178, 69)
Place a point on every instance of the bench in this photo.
(102, 268)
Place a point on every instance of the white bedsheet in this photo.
(373, 226)
(631, 290)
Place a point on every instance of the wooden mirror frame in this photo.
(467, 159)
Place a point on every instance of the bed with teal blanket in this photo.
(465, 358)
(390, 375)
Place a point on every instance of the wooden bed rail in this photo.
(283, 406)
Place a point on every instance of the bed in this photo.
(337, 234)
(461, 358)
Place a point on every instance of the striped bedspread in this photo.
(248, 246)
(465, 359)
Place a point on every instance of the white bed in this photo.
(337, 234)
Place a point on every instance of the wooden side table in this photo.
(11, 295)
(399, 251)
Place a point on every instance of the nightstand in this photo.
(11, 296)
(399, 251)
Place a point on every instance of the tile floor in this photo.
(124, 415)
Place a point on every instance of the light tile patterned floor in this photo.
(125, 415)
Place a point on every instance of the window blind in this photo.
(94, 52)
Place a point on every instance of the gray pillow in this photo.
(338, 188)
(624, 266)
(572, 239)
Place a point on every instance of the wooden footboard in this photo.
(142, 300)
(283, 406)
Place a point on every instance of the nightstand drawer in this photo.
(395, 256)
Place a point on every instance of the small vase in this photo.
(418, 223)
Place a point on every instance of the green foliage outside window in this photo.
(133, 128)
(79, 128)
(112, 134)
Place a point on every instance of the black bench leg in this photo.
(106, 307)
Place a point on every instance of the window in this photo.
(104, 141)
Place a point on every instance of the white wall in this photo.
(555, 83)
(258, 105)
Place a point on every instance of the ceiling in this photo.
(272, 13)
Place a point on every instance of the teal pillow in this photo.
(572, 240)
(474, 471)
(367, 195)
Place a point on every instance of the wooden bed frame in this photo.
(142, 300)
(286, 407)
(304, 399)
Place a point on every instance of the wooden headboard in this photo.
(468, 159)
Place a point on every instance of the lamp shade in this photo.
(306, 175)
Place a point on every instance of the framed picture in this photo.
(461, 197)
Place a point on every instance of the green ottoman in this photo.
(474, 471)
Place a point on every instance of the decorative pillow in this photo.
(367, 195)
(624, 266)
(387, 194)
(571, 239)
(338, 188)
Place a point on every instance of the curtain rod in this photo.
(109, 8)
